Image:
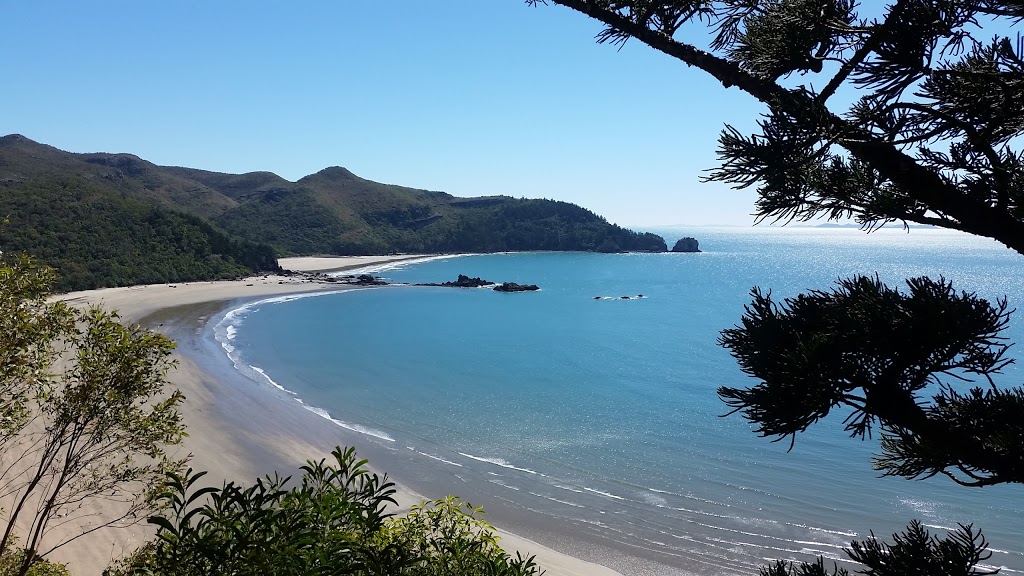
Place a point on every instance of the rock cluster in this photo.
(466, 282)
(513, 287)
(463, 281)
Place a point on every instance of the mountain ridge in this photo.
(332, 211)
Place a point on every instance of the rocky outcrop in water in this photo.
(513, 287)
(463, 281)
(367, 280)
(686, 245)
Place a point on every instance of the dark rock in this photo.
(367, 280)
(686, 245)
(467, 282)
(624, 297)
(462, 282)
(513, 287)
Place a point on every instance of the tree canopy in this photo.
(85, 416)
(911, 111)
(936, 103)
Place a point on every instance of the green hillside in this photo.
(100, 229)
(115, 219)
(336, 212)
(95, 238)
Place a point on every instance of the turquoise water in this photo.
(598, 419)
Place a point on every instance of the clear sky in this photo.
(472, 97)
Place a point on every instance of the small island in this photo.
(686, 244)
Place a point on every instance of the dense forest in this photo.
(116, 219)
(95, 238)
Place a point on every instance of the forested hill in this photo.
(100, 227)
(116, 219)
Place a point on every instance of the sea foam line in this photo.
(553, 499)
(353, 427)
(606, 494)
(226, 331)
(497, 462)
(706, 513)
(439, 459)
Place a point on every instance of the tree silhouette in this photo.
(930, 135)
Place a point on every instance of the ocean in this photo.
(593, 424)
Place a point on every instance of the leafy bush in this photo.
(445, 537)
(332, 523)
(13, 558)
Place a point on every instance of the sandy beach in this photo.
(238, 430)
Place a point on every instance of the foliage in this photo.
(110, 220)
(30, 326)
(446, 537)
(909, 111)
(332, 522)
(13, 558)
(95, 238)
(936, 103)
(96, 431)
(913, 551)
(297, 223)
(880, 353)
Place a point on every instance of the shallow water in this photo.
(600, 416)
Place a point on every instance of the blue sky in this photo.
(473, 97)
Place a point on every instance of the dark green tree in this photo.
(910, 111)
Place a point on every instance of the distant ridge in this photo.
(106, 219)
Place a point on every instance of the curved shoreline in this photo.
(235, 433)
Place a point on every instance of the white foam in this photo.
(557, 500)
(226, 331)
(438, 458)
(1002, 569)
(269, 380)
(318, 411)
(497, 462)
(363, 430)
(570, 489)
(353, 427)
(606, 494)
(826, 530)
(690, 497)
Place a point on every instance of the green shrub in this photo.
(13, 558)
(332, 522)
(446, 538)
